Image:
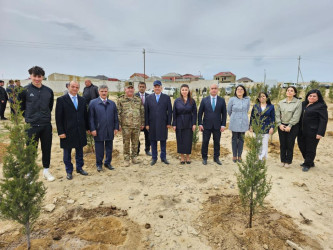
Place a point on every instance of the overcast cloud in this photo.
(85, 37)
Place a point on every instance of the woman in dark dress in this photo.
(184, 122)
(313, 124)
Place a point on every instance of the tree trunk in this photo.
(27, 232)
(251, 209)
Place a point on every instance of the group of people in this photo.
(99, 116)
(9, 94)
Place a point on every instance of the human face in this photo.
(87, 83)
(2, 83)
(129, 91)
(240, 92)
(103, 93)
(213, 89)
(36, 80)
(157, 89)
(312, 98)
(184, 91)
(290, 92)
(142, 88)
(73, 88)
(263, 98)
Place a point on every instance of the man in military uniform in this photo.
(131, 121)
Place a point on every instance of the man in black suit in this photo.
(3, 100)
(72, 124)
(143, 95)
(215, 115)
(158, 115)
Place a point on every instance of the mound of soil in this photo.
(196, 152)
(98, 228)
(224, 223)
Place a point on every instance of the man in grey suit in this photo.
(214, 109)
(143, 95)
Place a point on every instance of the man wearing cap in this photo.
(158, 115)
(131, 121)
(3, 100)
(143, 95)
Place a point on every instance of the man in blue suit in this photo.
(214, 109)
(103, 122)
(158, 115)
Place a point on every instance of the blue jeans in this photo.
(68, 159)
(100, 147)
(154, 150)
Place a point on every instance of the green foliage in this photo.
(330, 94)
(275, 92)
(222, 92)
(21, 194)
(314, 84)
(176, 94)
(90, 142)
(252, 178)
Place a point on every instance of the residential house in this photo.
(244, 80)
(171, 76)
(225, 77)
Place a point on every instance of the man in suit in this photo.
(214, 110)
(158, 115)
(90, 92)
(3, 100)
(104, 125)
(143, 95)
(72, 123)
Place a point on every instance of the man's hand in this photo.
(116, 131)
(94, 133)
(271, 131)
(62, 136)
(119, 128)
(201, 128)
(147, 127)
(193, 128)
(168, 126)
(282, 127)
(318, 137)
(251, 129)
(174, 128)
(287, 129)
(222, 129)
(142, 127)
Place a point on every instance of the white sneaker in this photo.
(287, 165)
(48, 176)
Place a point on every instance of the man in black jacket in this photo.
(37, 104)
(72, 123)
(90, 92)
(3, 100)
(143, 95)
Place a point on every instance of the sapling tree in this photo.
(195, 136)
(21, 194)
(252, 179)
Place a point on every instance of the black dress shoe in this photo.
(69, 176)
(204, 161)
(148, 153)
(218, 161)
(99, 168)
(153, 162)
(109, 166)
(302, 164)
(81, 171)
(4, 118)
(165, 161)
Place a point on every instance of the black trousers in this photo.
(308, 146)
(287, 143)
(2, 109)
(205, 142)
(44, 134)
(147, 141)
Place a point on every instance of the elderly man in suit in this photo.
(104, 125)
(143, 95)
(214, 110)
(158, 115)
(72, 123)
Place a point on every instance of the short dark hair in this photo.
(1, 81)
(268, 101)
(142, 83)
(295, 90)
(36, 71)
(314, 91)
(245, 93)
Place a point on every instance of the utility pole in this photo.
(299, 67)
(144, 65)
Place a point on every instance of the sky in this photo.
(107, 37)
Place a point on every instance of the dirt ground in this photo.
(180, 206)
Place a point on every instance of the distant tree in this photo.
(21, 194)
(176, 94)
(252, 177)
(222, 92)
(330, 93)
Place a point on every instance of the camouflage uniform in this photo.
(131, 117)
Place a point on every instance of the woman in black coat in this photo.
(184, 122)
(313, 124)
